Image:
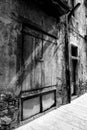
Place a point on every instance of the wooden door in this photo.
(32, 47)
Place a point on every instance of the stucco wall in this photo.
(79, 23)
(16, 75)
(50, 72)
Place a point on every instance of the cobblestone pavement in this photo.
(72, 116)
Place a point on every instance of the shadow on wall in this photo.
(31, 62)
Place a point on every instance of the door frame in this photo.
(74, 57)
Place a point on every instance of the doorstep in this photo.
(74, 97)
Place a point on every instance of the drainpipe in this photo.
(67, 59)
(67, 50)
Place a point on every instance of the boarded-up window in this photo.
(48, 100)
(31, 107)
(38, 103)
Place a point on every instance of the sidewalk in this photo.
(72, 116)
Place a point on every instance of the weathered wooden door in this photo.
(39, 73)
(32, 53)
(39, 60)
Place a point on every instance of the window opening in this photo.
(74, 50)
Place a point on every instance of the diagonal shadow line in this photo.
(30, 66)
(20, 76)
(57, 48)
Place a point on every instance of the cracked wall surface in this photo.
(32, 62)
(24, 70)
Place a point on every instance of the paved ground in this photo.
(72, 116)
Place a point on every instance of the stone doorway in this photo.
(74, 77)
(74, 69)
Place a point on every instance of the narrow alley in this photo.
(72, 116)
(43, 64)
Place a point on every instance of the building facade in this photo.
(78, 49)
(34, 57)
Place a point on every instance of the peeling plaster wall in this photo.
(49, 72)
(8, 40)
(53, 67)
(9, 31)
(79, 23)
